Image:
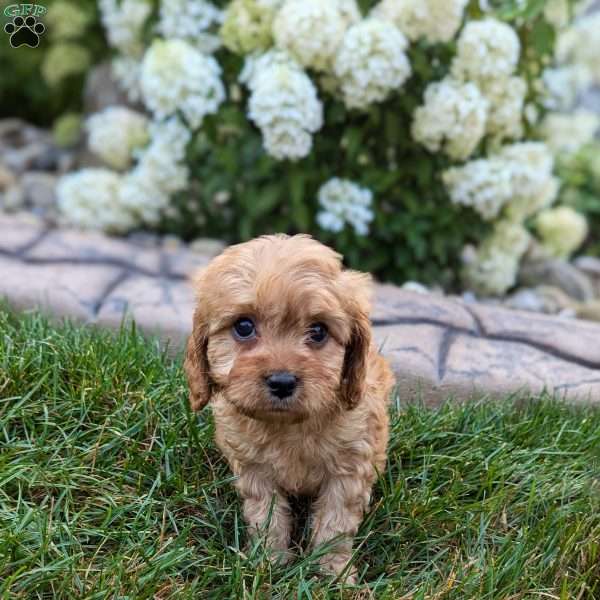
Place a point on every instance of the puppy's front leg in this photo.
(265, 505)
(338, 512)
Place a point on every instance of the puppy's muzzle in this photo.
(281, 384)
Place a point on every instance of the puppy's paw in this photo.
(337, 565)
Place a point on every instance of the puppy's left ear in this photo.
(354, 370)
(196, 365)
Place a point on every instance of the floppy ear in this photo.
(354, 370)
(196, 365)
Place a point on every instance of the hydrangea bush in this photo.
(409, 134)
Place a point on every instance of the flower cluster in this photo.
(190, 20)
(66, 20)
(248, 25)
(312, 30)
(565, 133)
(123, 23)
(518, 178)
(486, 49)
(103, 199)
(562, 230)
(481, 96)
(64, 60)
(433, 20)
(283, 104)
(579, 45)
(342, 202)
(89, 199)
(492, 268)
(115, 133)
(176, 76)
(453, 117)
(370, 62)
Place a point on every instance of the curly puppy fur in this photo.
(328, 439)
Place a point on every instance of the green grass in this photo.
(110, 488)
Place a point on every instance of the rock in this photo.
(544, 299)
(207, 246)
(102, 90)
(23, 146)
(12, 199)
(171, 242)
(590, 265)
(414, 286)
(7, 178)
(589, 310)
(39, 189)
(144, 239)
(557, 273)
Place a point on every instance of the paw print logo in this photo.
(24, 32)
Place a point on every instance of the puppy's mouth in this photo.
(272, 409)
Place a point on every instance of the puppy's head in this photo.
(280, 329)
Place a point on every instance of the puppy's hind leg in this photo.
(266, 511)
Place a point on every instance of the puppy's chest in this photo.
(297, 460)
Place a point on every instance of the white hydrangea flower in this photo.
(518, 179)
(534, 186)
(557, 13)
(492, 268)
(562, 230)
(283, 104)
(506, 97)
(370, 62)
(176, 76)
(127, 72)
(565, 133)
(486, 49)
(123, 22)
(115, 133)
(561, 86)
(312, 30)
(343, 201)
(89, 199)
(248, 24)
(102, 199)
(453, 118)
(163, 160)
(190, 20)
(580, 45)
(160, 172)
(484, 184)
(433, 20)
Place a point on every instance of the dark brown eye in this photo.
(317, 333)
(244, 329)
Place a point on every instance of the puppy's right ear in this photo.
(196, 365)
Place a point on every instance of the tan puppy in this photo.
(281, 345)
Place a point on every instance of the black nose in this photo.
(282, 384)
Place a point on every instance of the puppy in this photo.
(281, 346)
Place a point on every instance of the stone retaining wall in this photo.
(439, 347)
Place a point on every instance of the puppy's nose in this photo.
(282, 384)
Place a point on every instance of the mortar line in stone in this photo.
(448, 338)
(554, 352)
(108, 290)
(21, 251)
(96, 261)
(479, 327)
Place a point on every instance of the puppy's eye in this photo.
(317, 333)
(244, 329)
